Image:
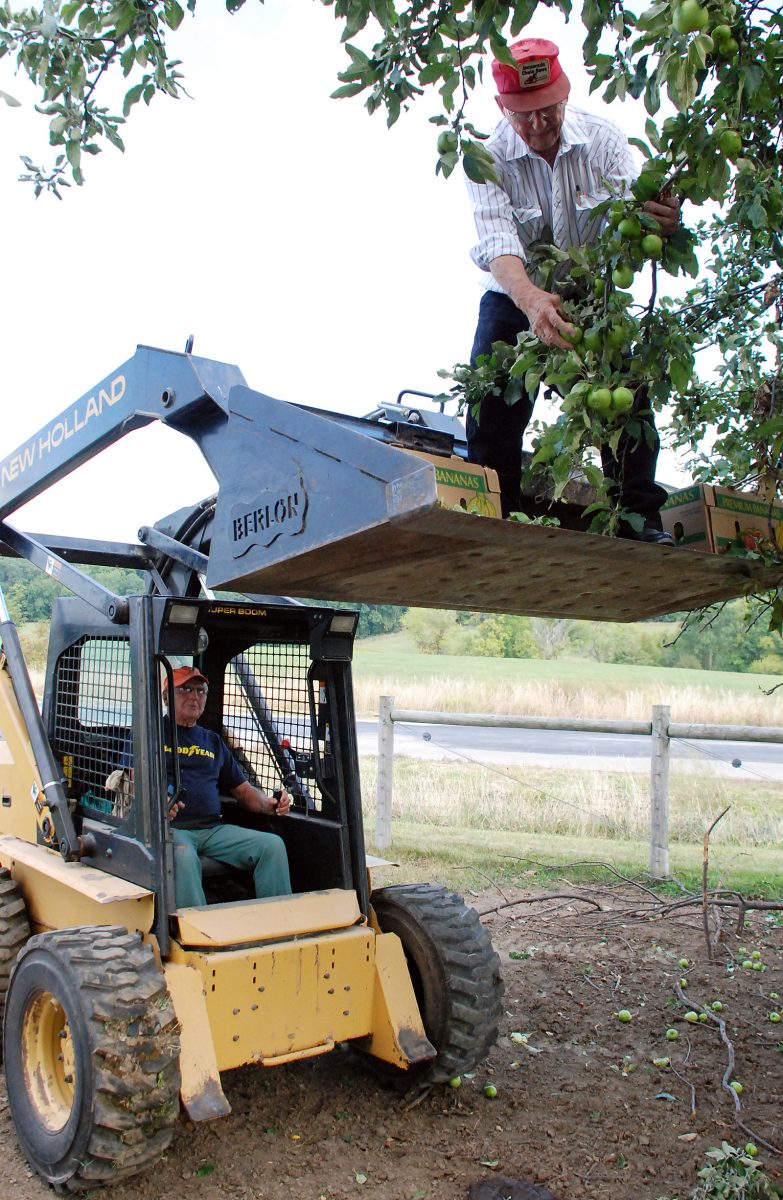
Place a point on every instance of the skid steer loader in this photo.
(118, 1007)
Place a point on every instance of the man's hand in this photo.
(666, 210)
(282, 803)
(545, 313)
(254, 800)
(175, 808)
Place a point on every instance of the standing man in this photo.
(554, 163)
(208, 768)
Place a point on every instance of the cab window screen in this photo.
(267, 724)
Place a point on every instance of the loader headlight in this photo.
(344, 622)
(182, 614)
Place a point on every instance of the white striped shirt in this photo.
(594, 161)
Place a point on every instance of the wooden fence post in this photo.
(659, 792)
(383, 793)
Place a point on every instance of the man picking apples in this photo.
(554, 163)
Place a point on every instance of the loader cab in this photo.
(280, 695)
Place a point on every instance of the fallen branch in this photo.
(542, 899)
(704, 872)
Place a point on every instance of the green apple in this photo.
(652, 246)
(672, 1035)
(624, 1016)
(774, 1017)
(691, 1016)
(684, 962)
(622, 400)
(736, 1086)
(751, 1149)
(730, 143)
(593, 340)
(616, 213)
(455, 1082)
(490, 1091)
(616, 337)
(447, 141)
(690, 17)
(716, 1006)
(630, 227)
(622, 276)
(600, 400)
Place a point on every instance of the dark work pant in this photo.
(495, 440)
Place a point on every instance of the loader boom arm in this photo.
(190, 394)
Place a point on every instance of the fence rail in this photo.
(660, 729)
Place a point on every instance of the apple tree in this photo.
(694, 318)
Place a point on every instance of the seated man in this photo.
(207, 768)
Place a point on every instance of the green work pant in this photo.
(247, 849)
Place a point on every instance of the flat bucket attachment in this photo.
(312, 508)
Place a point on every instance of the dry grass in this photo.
(574, 804)
(541, 697)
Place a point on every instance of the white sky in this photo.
(292, 234)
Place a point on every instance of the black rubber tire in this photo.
(92, 1056)
(14, 930)
(454, 969)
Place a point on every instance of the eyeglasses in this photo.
(191, 689)
(543, 114)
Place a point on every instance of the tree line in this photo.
(721, 640)
(29, 595)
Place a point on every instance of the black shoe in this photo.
(655, 536)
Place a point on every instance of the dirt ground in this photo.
(580, 1108)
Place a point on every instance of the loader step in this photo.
(276, 918)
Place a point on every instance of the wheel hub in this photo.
(48, 1061)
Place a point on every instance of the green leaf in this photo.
(173, 14)
(11, 101)
(73, 153)
(131, 97)
(347, 89)
(680, 371)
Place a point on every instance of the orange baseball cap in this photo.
(184, 675)
(536, 81)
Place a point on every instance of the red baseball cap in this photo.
(184, 675)
(536, 81)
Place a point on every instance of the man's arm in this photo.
(254, 800)
(544, 310)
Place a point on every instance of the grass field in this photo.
(390, 665)
(465, 823)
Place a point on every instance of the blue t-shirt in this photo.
(207, 768)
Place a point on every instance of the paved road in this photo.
(591, 751)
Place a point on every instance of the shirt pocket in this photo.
(529, 223)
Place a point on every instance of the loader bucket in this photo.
(312, 508)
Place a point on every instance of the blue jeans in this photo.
(247, 849)
(495, 440)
